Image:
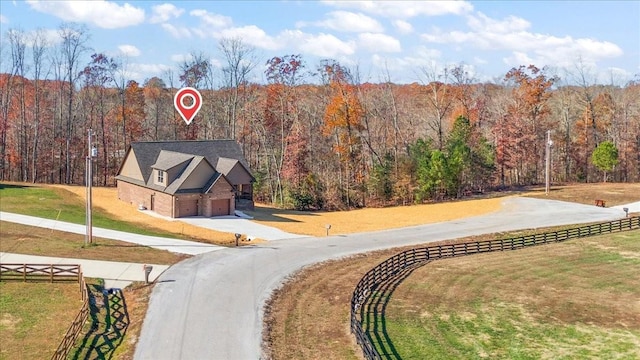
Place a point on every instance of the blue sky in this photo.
(407, 38)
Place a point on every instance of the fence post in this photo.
(51, 272)
(24, 272)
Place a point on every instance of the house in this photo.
(186, 178)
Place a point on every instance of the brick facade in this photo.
(167, 205)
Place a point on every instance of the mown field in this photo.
(573, 300)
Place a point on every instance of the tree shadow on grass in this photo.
(109, 323)
(271, 214)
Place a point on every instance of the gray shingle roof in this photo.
(212, 150)
(168, 159)
(225, 165)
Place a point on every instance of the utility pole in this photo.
(92, 152)
(547, 172)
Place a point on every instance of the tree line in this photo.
(316, 136)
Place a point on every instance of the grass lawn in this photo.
(22, 239)
(57, 203)
(34, 317)
(573, 300)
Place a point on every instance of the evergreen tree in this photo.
(605, 157)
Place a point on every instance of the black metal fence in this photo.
(389, 269)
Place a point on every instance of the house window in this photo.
(160, 177)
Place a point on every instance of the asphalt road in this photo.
(211, 306)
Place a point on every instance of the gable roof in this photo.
(225, 165)
(176, 184)
(147, 152)
(169, 159)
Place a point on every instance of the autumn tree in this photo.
(627, 124)
(134, 111)
(280, 117)
(6, 89)
(343, 122)
(194, 70)
(527, 115)
(15, 101)
(588, 127)
(158, 101)
(97, 75)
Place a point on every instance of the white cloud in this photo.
(177, 32)
(149, 68)
(403, 27)
(405, 9)
(129, 50)
(322, 45)
(3, 19)
(250, 35)
(210, 19)
(479, 60)
(420, 58)
(378, 43)
(93, 12)
(348, 22)
(181, 57)
(481, 22)
(616, 76)
(48, 37)
(526, 47)
(518, 58)
(164, 12)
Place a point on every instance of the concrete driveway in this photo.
(211, 306)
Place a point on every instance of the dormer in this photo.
(168, 167)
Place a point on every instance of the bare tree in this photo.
(241, 60)
(169, 75)
(18, 41)
(16, 52)
(39, 45)
(119, 76)
(73, 46)
(586, 93)
(439, 98)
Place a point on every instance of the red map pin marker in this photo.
(190, 111)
